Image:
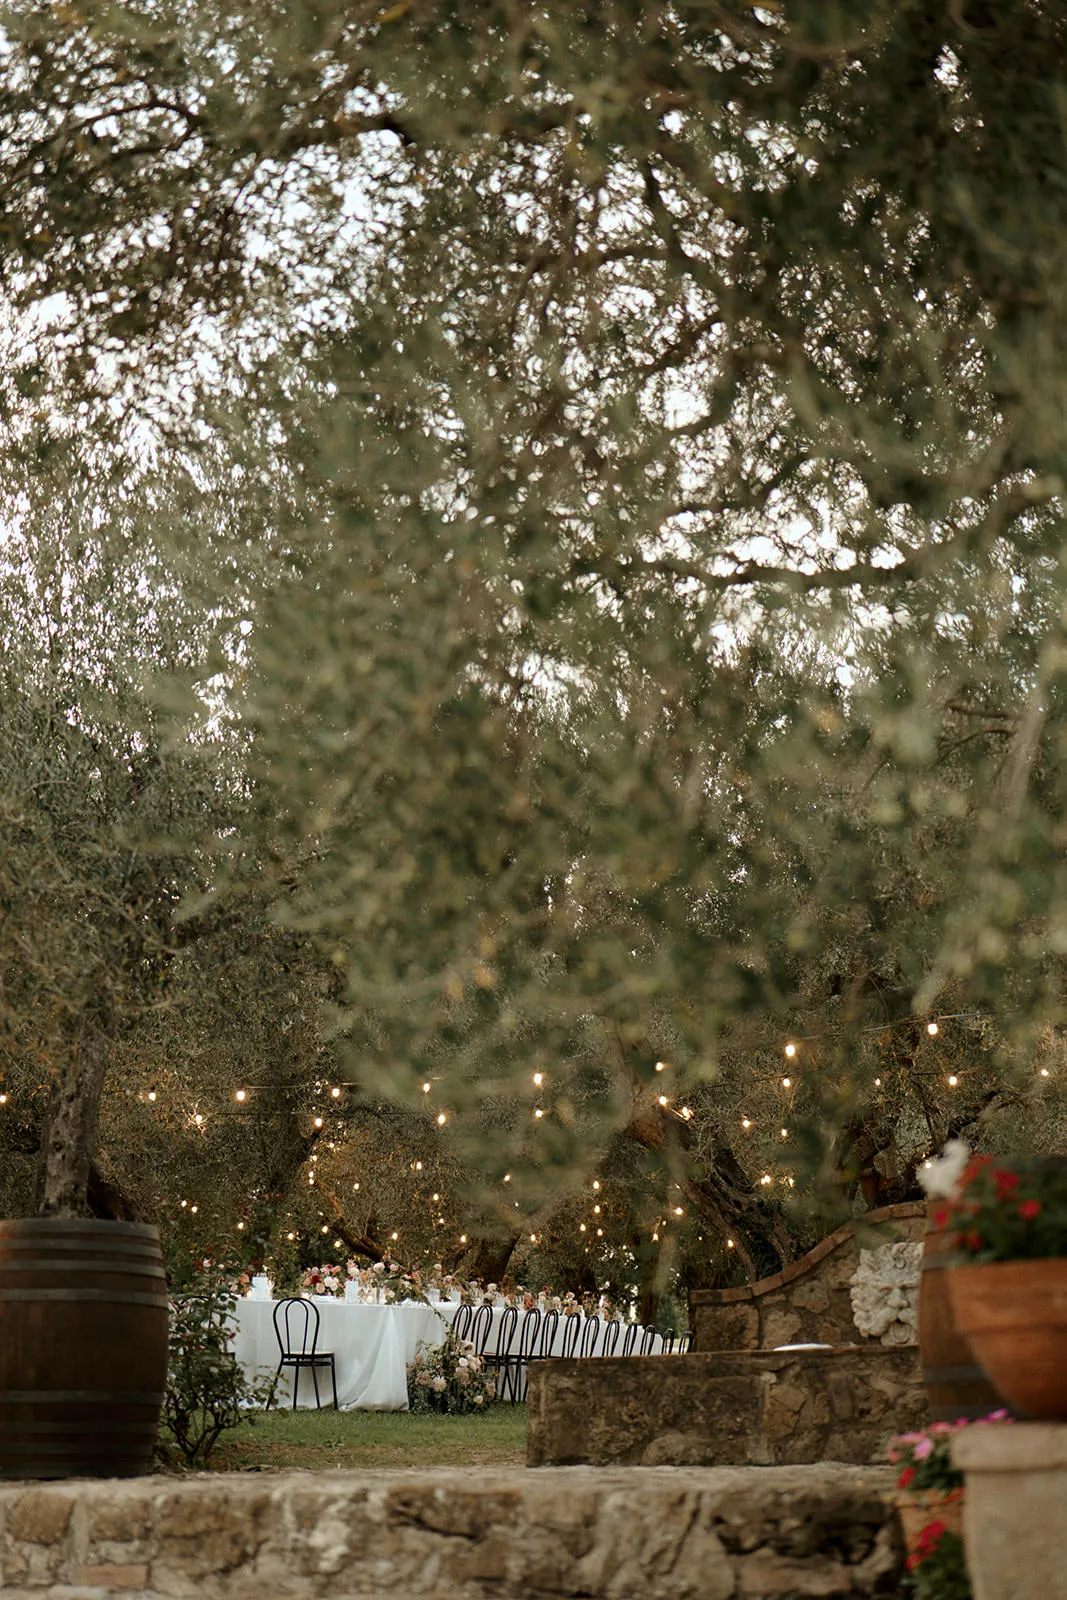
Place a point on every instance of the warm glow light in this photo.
(877, 1083)
(507, 1177)
(678, 1211)
(426, 1088)
(336, 1091)
(441, 1119)
(1044, 1074)
(394, 1236)
(539, 1078)
(538, 1112)
(463, 1238)
(418, 1166)
(931, 1028)
(3, 1099)
(596, 1183)
(729, 1244)
(952, 1080)
(432, 1197)
(324, 1228)
(596, 1211)
(581, 1227)
(318, 1122)
(766, 1178)
(339, 1244)
(661, 1066)
(151, 1095)
(663, 1099)
(290, 1237)
(194, 1209)
(787, 1083)
(600, 1233)
(790, 1050)
(686, 1112)
(784, 1133)
(533, 1238)
(240, 1225)
(184, 1203)
(656, 1237)
(355, 1186)
(198, 1119)
(241, 1094)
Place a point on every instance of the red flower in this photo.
(973, 1240)
(1007, 1183)
(905, 1477)
(1029, 1209)
(940, 1217)
(931, 1534)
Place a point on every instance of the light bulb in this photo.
(745, 1123)
(318, 1122)
(441, 1119)
(729, 1244)
(336, 1091)
(151, 1095)
(240, 1225)
(678, 1211)
(426, 1088)
(790, 1050)
(538, 1113)
(539, 1078)
(596, 1183)
(661, 1066)
(241, 1094)
(290, 1237)
(418, 1166)
(952, 1080)
(596, 1211)
(507, 1177)
(931, 1028)
(432, 1197)
(663, 1100)
(581, 1227)
(324, 1229)
(600, 1233)
(787, 1083)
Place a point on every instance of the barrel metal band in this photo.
(112, 1297)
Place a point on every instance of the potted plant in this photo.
(929, 1501)
(1008, 1222)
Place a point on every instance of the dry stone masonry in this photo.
(655, 1534)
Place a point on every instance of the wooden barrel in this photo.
(956, 1386)
(83, 1347)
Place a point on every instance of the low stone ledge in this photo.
(658, 1534)
(752, 1407)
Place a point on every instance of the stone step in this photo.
(666, 1533)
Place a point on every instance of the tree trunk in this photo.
(71, 1126)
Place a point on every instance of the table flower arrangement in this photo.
(449, 1377)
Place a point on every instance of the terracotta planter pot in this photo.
(925, 1506)
(1015, 1315)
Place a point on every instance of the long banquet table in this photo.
(372, 1346)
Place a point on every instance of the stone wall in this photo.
(666, 1534)
(807, 1302)
(756, 1408)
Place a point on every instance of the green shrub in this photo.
(207, 1393)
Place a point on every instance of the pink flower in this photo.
(439, 1385)
(924, 1448)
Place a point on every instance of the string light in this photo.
(194, 1209)
(663, 1100)
(581, 1227)
(318, 1122)
(290, 1237)
(533, 1238)
(932, 1029)
(790, 1050)
(538, 1112)
(151, 1096)
(1044, 1074)
(655, 1237)
(599, 1233)
(686, 1112)
(3, 1099)
(240, 1226)
(198, 1119)
(184, 1204)
(441, 1119)
(394, 1236)
(539, 1078)
(355, 1186)
(336, 1092)
(784, 1133)
(507, 1177)
(661, 1066)
(432, 1197)
(877, 1083)
(463, 1238)
(418, 1166)
(596, 1183)
(324, 1228)
(426, 1088)
(596, 1211)
(787, 1083)
(952, 1080)
(678, 1211)
(729, 1244)
(766, 1178)
(745, 1123)
(241, 1095)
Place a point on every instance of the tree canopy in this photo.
(632, 435)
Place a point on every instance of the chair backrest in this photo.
(648, 1340)
(296, 1326)
(685, 1343)
(505, 1331)
(572, 1327)
(611, 1337)
(531, 1323)
(590, 1335)
(479, 1334)
(461, 1322)
(668, 1341)
(547, 1337)
(629, 1338)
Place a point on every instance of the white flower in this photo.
(940, 1177)
(438, 1385)
(478, 1400)
(462, 1364)
(379, 1266)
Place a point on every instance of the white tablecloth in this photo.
(371, 1345)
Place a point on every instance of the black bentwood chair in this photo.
(528, 1331)
(629, 1338)
(461, 1323)
(572, 1327)
(501, 1360)
(648, 1341)
(296, 1325)
(590, 1335)
(611, 1337)
(685, 1344)
(547, 1336)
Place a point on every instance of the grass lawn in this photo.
(317, 1440)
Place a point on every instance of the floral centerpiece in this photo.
(449, 1377)
(325, 1280)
